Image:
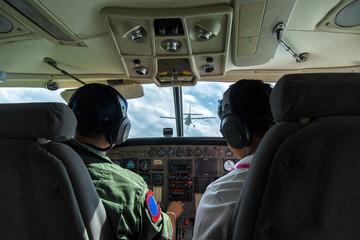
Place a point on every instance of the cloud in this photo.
(144, 113)
(23, 95)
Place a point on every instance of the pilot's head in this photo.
(245, 112)
(101, 111)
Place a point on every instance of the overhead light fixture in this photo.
(203, 34)
(141, 70)
(206, 29)
(136, 34)
(171, 45)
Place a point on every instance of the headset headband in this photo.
(118, 125)
(100, 114)
(225, 104)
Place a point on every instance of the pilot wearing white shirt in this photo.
(245, 118)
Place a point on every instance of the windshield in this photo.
(24, 95)
(152, 112)
(155, 110)
(203, 99)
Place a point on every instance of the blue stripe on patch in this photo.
(153, 207)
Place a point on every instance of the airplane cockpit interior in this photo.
(172, 60)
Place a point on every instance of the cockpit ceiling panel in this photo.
(254, 41)
(11, 28)
(344, 17)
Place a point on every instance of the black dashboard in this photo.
(177, 169)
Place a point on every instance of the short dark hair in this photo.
(91, 128)
(250, 102)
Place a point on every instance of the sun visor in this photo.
(128, 91)
(254, 21)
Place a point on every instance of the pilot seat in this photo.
(46, 190)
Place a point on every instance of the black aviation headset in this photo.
(232, 128)
(103, 103)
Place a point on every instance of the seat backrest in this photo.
(304, 179)
(46, 190)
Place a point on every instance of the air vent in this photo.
(168, 27)
(115, 81)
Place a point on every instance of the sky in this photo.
(144, 113)
(21, 95)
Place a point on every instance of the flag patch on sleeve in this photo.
(153, 207)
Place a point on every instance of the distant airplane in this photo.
(189, 119)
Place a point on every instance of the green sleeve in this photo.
(161, 229)
(123, 194)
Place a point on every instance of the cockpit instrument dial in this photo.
(153, 153)
(197, 152)
(130, 164)
(228, 153)
(207, 152)
(229, 165)
(215, 152)
(158, 179)
(145, 166)
(146, 177)
(180, 152)
(162, 152)
(188, 152)
(171, 152)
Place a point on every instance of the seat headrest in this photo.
(297, 96)
(52, 121)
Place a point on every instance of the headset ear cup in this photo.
(123, 131)
(235, 132)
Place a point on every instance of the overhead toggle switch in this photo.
(207, 68)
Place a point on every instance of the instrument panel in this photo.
(177, 169)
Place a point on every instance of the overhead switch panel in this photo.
(171, 45)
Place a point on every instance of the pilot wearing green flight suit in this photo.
(131, 208)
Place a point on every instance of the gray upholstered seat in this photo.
(46, 191)
(304, 182)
